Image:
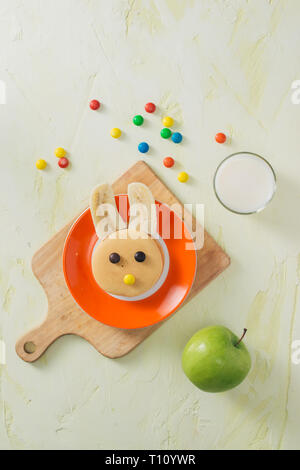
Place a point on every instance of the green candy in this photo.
(166, 133)
(138, 120)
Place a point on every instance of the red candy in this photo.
(95, 104)
(63, 162)
(150, 108)
(221, 138)
(169, 162)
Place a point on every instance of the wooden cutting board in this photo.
(65, 317)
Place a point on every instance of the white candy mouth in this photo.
(156, 286)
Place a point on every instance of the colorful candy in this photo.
(177, 138)
(114, 258)
(138, 120)
(41, 164)
(116, 133)
(221, 138)
(95, 104)
(129, 280)
(63, 162)
(183, 177)
(143, 147)
(140, 257)
(150, 108)
(169, 162)
(60, 152)
(166, 133)
(168, 121)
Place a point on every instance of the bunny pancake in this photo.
(127, 263)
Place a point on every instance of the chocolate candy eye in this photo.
(140, 256)
(114, 258)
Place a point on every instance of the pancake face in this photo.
(127, 263)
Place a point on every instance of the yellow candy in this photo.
(115, 133)
(129, 280)
(183, 177)
(41, 164)
(168, 121)
(60, 152)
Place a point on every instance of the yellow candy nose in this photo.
(129, 280)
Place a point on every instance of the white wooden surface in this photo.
(214, 66)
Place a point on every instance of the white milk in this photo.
(245, 183)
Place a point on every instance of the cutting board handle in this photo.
(33, 345)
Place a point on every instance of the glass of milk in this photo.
(245, 183)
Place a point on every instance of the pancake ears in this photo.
(105, 215)
(143, 216)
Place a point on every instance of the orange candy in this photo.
(169, 162)
(221, 138)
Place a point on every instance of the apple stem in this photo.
(244, 334)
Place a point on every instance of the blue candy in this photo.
(143, 147)
(177, 138)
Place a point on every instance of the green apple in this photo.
(216, 360)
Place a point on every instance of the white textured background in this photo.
(214, 65)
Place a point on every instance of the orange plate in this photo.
(106, 309)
